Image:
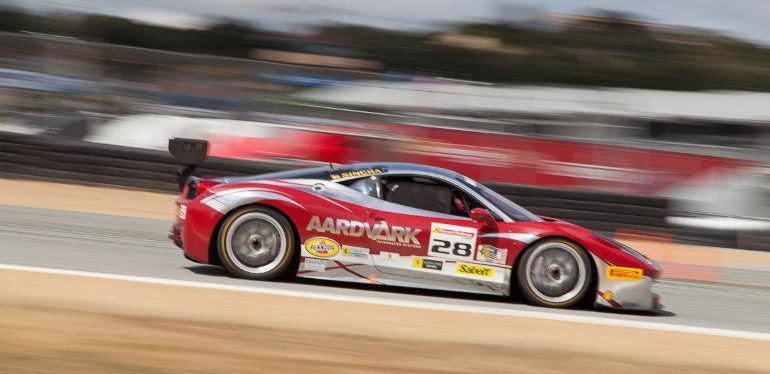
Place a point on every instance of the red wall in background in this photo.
(486, 157)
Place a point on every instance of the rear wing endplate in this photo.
(190, 152)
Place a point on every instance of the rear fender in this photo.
(229, 200)
(214, 257)
(298, 206)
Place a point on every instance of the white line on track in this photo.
(406, 304)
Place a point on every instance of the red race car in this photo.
(402, 225)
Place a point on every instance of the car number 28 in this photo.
(451, 241)
(445, 247)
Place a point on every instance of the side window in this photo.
(417, 192)
(426, 194)
(371, 186)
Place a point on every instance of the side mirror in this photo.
(482, 216)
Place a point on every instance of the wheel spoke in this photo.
(555, 272)
(256, 243)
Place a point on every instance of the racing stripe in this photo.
(522, 237)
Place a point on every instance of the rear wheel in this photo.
(256, 243)
(555, 273)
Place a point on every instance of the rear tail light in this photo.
(191, 190)
(197, 186)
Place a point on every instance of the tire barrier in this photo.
(60, 159)
(595, 210)
(57, 159)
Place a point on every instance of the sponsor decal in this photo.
(355, 254)
(315, 264)
(450, 241)
(181, 211)
(356, 173)
(617, 272)
(426, 263)
(379, 232)
(442, 229)
(488, 253)
(322, 247)
(475, 270)
(389, 256)
(358, 252)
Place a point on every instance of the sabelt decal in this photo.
(379, 232)
(426, 263)
(475, 270)
(314, 264)
(631, 274)
(450, 241)
(322, 247)
(488, 253)
(356, 173)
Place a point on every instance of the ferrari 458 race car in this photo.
(402, 225)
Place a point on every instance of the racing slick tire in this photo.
(256, 242)
(556, 273)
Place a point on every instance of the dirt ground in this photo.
(87, 199)
(61, 323)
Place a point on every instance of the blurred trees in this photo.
(226, 38)
(607, 49)
(229, 38)
(11, 19)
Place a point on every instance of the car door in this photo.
(425, 238)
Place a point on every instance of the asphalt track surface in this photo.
(139, 247)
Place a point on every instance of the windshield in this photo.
(508, 207)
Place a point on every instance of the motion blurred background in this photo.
(643, 118)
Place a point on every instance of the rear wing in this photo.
(190, 152)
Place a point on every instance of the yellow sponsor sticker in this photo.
(622, 273)
(356, 173)
(322, 247)
(475, 270)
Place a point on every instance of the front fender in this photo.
(628, 292)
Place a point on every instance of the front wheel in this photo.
(555, 273)
(256, 243)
